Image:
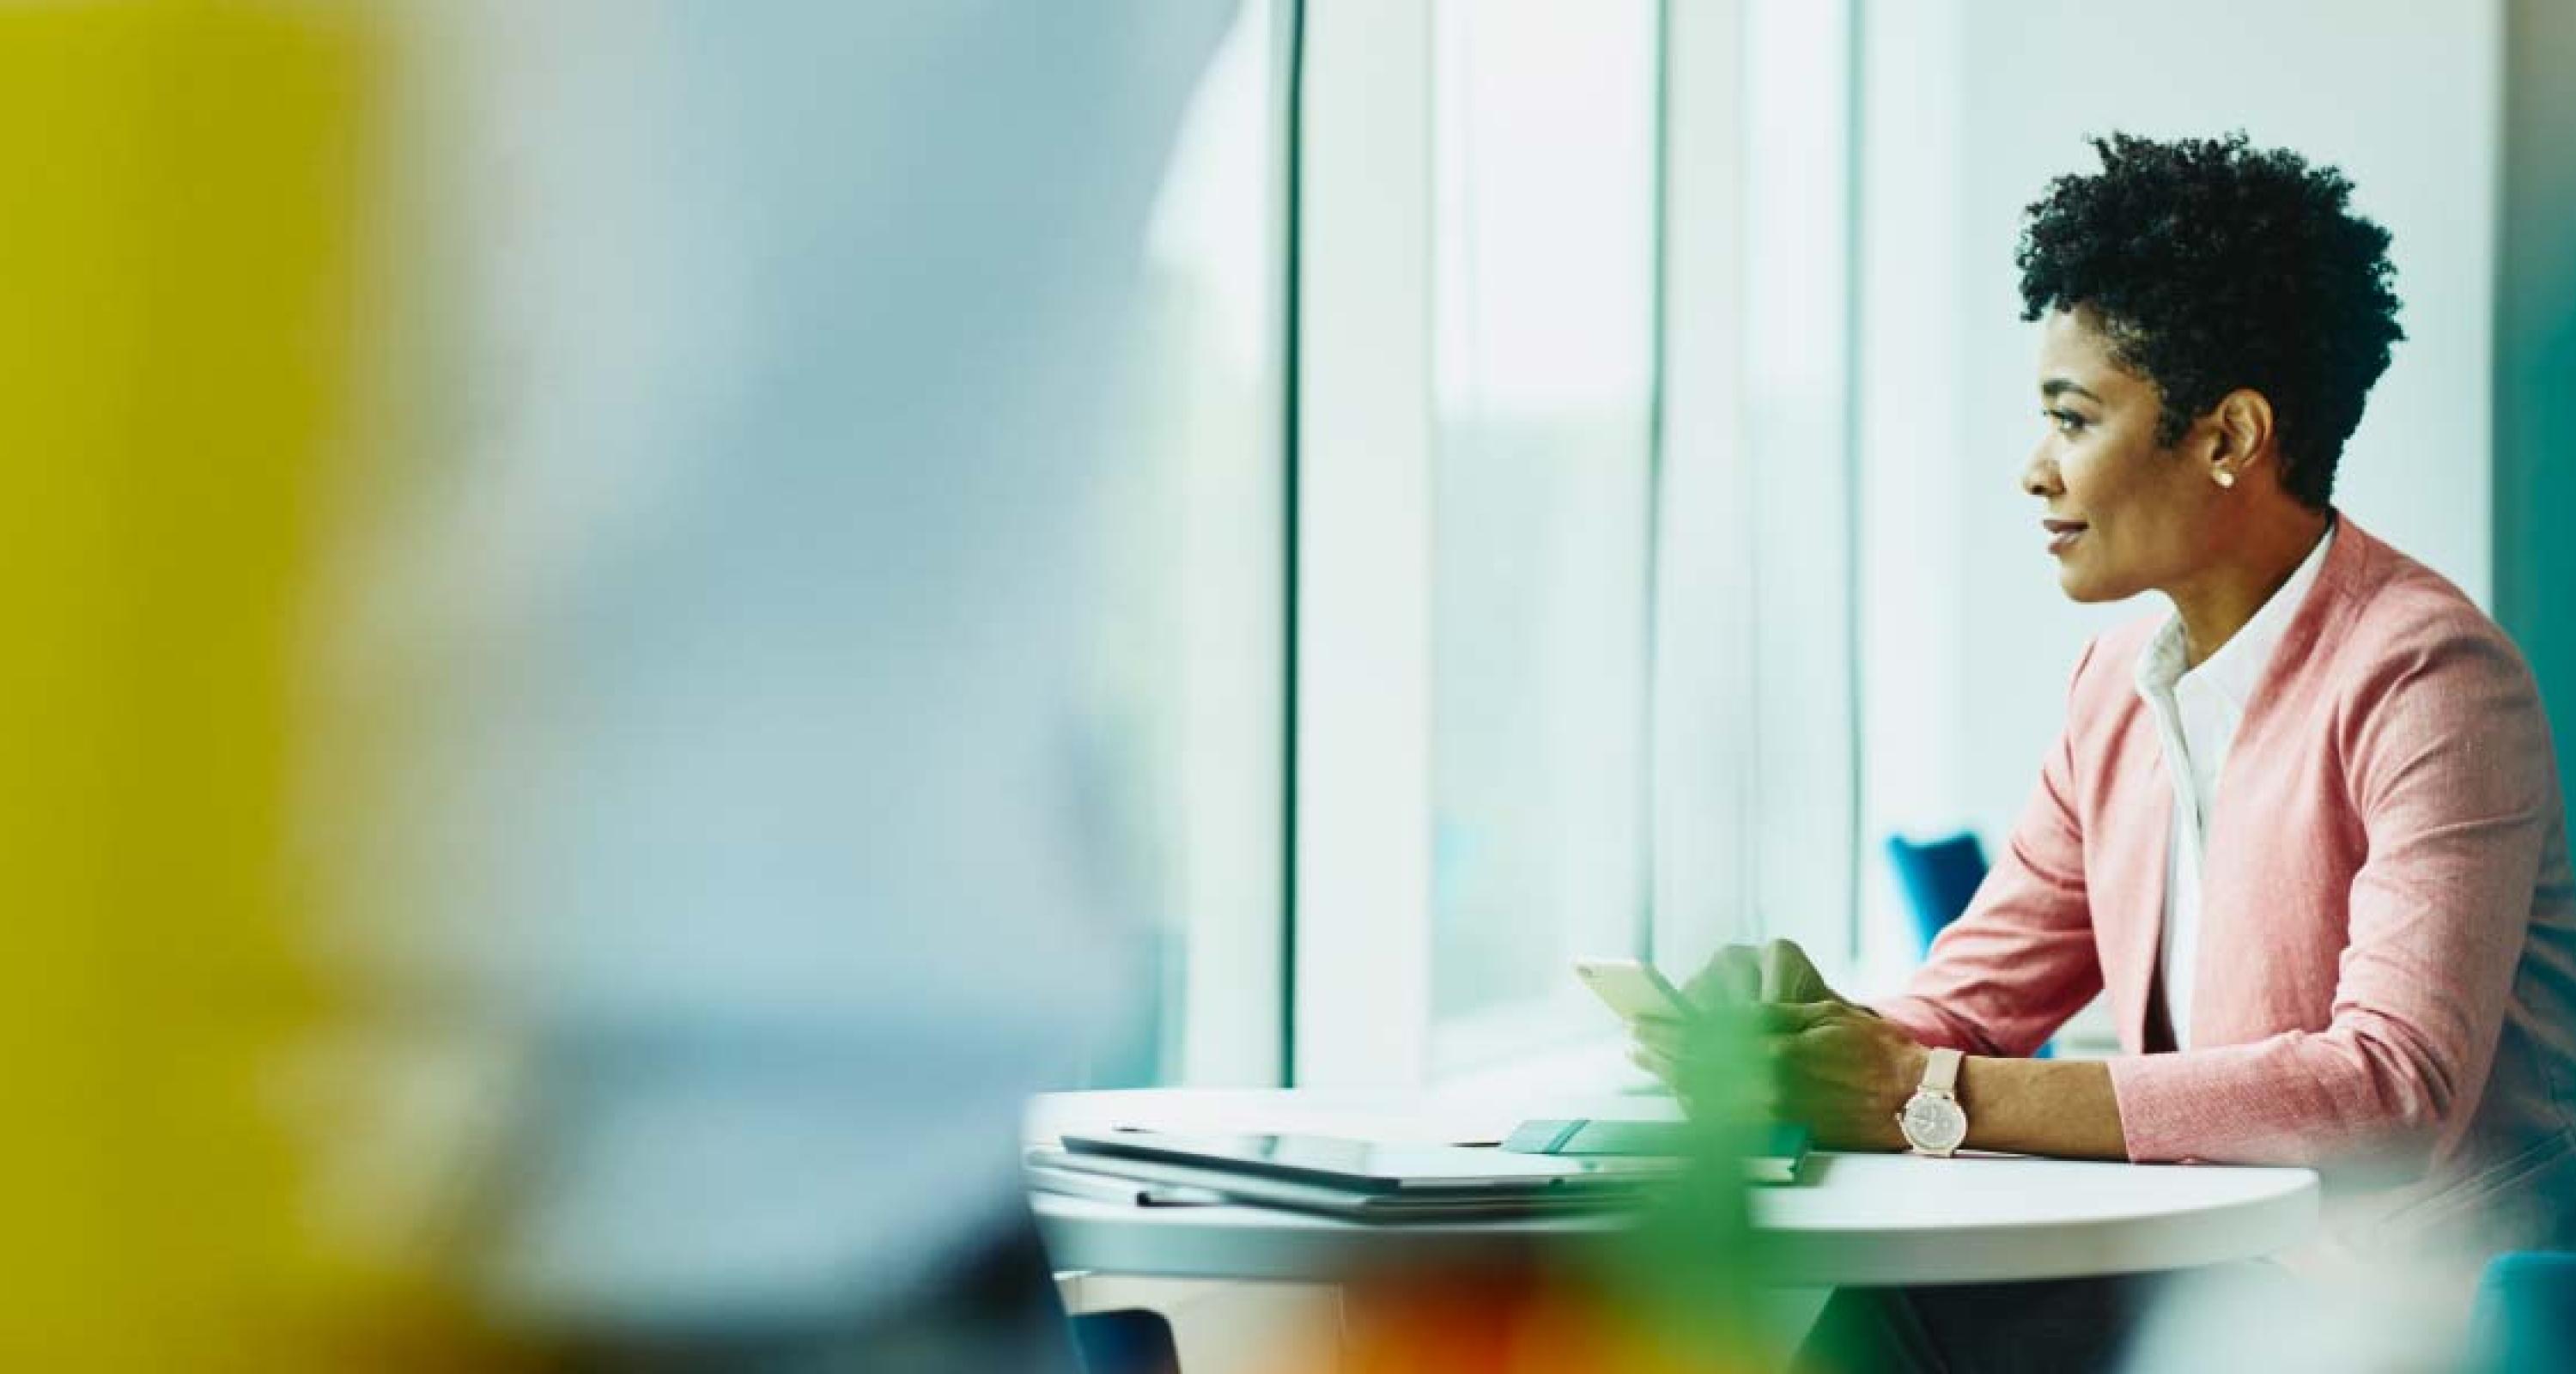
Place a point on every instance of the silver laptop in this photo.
(1360, 1178)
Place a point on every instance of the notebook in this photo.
(1771, 1157)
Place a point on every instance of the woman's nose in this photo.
(2039, 475)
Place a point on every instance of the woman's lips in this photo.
(2062, 535)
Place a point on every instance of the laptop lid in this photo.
(1375, 1167)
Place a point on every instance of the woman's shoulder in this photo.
(2409, 668)
(2424, 689)
(2402, 621)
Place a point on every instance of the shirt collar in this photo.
(2238, 665)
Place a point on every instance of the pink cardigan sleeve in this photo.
(2448, 757)
(2004, 976)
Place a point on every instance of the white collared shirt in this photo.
(2197, 713)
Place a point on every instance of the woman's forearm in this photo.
(2059, 1107)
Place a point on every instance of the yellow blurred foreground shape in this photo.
(180, 259)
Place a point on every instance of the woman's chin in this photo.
(2083, 588)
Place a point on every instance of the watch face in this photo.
(1933, 1123)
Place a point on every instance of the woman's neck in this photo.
(2217, 603)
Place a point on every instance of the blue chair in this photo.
(2526, 1313)
(1940, 877)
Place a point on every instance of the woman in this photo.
(2306, 829)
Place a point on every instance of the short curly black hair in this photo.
(2214, 265)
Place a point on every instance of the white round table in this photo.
(1856, 1219)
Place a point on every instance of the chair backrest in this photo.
(2526, 1313)
(1939, 877)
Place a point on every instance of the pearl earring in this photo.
(2226, 478)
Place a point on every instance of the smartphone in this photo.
(1634, 990)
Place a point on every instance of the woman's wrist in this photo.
(2062, 1108)
(1906, 1076)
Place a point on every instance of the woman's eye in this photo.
(2068, 422)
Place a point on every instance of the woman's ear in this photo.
(2243, 433)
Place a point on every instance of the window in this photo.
(1572, 555)
(1543, 343)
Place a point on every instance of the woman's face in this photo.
(2120, 513)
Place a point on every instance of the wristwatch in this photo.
(1933, 1121)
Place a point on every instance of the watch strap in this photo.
(1941, 1073)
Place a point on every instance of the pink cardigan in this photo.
(2387, 970)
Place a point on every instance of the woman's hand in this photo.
(1710, 1062)
(1839, 1069)
(1777, 1041)
(1773, 971)
(1735, 979)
